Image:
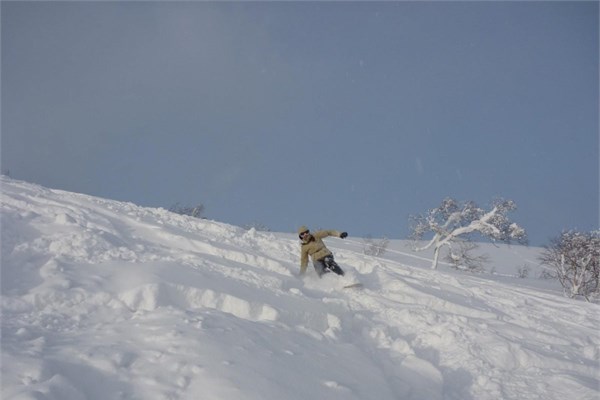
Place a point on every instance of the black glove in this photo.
(344, 235)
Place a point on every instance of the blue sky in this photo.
(341, 115)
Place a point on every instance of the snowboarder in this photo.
(312, 245)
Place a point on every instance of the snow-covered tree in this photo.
(575, 260)
(453, 223)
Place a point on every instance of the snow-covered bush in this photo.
(523, 271)
(259, 226)
(463, 257)
(574, 258)
(453, 223)
(375, 248)
(195, 211)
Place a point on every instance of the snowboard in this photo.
(354, 285)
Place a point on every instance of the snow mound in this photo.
(108, 300)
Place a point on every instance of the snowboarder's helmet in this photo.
(301, 231)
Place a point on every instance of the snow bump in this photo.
(150, 297)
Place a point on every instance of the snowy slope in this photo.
(108, 300)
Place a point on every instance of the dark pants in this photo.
(327, 264)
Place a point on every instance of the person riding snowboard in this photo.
(312, 245)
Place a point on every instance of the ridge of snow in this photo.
(108, 300)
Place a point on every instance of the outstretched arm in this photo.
(326, 233)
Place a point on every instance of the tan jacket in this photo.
(314, 247)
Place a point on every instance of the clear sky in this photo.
(349, 116)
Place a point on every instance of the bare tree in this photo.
(452, 223)
(574, 257)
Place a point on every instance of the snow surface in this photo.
(107, 300)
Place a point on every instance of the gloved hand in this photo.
(344, 235)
